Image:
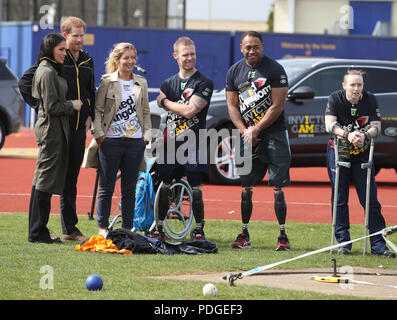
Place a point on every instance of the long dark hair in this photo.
(49, 42)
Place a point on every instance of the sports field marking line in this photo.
(214, 200)
(272, 202)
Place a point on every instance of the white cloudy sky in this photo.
(255, 10)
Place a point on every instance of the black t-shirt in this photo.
(181, 90)
(353, 117)
(254, 85)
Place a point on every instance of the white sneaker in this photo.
(103, 233)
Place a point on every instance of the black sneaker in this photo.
(198, 233)
(50, 240)
(387, 253)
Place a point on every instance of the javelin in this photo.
(230, 278)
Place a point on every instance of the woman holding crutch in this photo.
(352, 116)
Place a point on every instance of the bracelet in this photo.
(162, 102)
(367, 135)
(346, 134)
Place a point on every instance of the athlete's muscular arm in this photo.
(188, 111)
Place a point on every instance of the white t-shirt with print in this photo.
(125, 122)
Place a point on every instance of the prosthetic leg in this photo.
(163, 207)
(173, 211)
(198, 204)
(242, 241)
(246, 205)
(198, 213)
(280, 209)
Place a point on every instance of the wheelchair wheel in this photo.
(179, 220)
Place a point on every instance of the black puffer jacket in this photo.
(81, 85)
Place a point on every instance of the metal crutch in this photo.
(338, 164)
(368, 166)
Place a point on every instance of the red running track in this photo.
(308, 198)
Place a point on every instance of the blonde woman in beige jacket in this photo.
(121, 130)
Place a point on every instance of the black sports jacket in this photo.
(81, 85)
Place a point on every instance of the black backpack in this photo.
(25, 87)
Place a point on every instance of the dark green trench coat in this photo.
(51, 128)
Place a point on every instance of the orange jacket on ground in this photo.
(99, 244)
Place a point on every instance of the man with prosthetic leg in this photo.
(258, 172)
(195, 181)
(256, 90)
(186, 96)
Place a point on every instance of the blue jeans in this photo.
(126, 156)
(358, 176)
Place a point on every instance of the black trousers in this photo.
(69, 218)
(39, 214)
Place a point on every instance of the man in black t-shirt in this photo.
(256, 90)
(352, 116)
(186, 96)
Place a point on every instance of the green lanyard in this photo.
(353, 110)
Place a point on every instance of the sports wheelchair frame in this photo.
(179, 220)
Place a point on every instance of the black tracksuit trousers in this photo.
(69, 218)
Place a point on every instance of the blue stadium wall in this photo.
(216, 51)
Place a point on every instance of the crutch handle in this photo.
(345, 164)
(366, 165)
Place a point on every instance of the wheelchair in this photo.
(179, 220)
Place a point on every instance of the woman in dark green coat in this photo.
(52, 131)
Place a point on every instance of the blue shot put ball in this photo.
(94, 282)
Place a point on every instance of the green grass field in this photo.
(23, 265)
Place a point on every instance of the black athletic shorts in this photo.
(272, 154)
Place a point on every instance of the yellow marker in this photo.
(330, 279)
